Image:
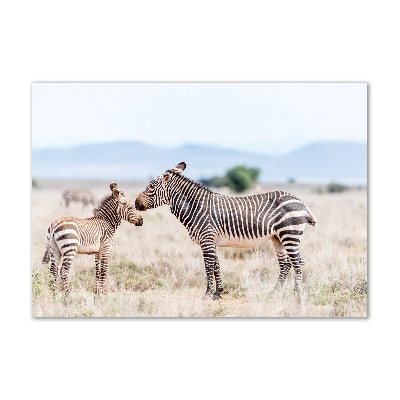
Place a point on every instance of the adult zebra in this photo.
(96, 235)
(214, 220)
(80, 196)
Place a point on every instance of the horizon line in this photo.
(105, 142)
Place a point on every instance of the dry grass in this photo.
(157, 271)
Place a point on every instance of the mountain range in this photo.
(319, 162)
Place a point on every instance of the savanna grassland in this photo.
(157, 271)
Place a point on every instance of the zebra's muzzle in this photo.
(139, 221)
(139, 203)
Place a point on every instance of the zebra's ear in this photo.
(113, 185)
(179, 168)
(116, 193)
(167, 177)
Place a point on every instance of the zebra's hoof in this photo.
(298, 289)
(207, 297)
(217, 296)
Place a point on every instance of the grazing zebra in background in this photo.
(80, 196)
(69, 235)
(214, 220)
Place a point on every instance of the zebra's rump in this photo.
(71, 232)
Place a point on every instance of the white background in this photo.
(339, 41)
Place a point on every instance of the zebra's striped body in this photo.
(80, 196)
(214, 220)
(69, 235)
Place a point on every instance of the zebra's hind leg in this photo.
(298, 266)
(68, 257)
(284, 262)
(54, 262)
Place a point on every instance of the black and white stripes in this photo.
(69, 235)
(214, 220)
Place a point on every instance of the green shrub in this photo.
(214, 181)
(238, 179)
(37, 283)
(241, 178)
(336, 188)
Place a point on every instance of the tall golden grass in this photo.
(157, 271)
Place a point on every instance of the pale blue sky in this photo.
(257, 117)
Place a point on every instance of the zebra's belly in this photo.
(88, 248)
(226, 241)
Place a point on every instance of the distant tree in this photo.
(336, 188)
(241, 178)
(214, 181)
(291, 180)
(34, 183)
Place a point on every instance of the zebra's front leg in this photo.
(218, 280)
(210, 283)
(212, 269)
(103, 257)
(98, 271)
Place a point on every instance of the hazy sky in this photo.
(259, 117)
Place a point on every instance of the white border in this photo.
(207, 41)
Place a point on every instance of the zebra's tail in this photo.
(310, 217)
(46, 257)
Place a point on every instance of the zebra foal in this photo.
(95, 235)
(214, 220)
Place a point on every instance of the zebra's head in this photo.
(125, 208)
(157, 193)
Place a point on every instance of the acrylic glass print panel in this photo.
(199, 199)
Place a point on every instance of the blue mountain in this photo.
(321, 162)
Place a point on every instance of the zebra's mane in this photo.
(106, 199)
(200, 185)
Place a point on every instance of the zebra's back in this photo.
(250, 221)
